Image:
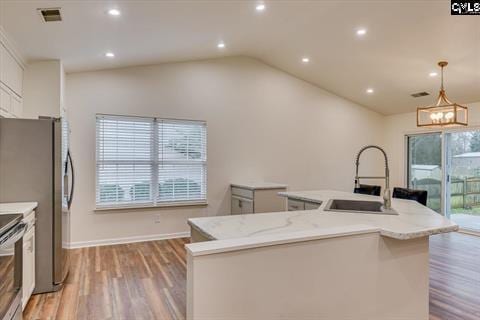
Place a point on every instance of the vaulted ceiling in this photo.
(401, 46)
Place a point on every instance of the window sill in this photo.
(151, 206)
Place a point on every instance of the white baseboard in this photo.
(108, 242)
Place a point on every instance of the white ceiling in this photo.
(404, 41)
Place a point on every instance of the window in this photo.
(150, 162)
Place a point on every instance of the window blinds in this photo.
(149, 161)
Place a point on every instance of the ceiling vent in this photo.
(50, 14)
(420, 94)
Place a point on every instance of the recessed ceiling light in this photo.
(433, 74)
(369, 90)
(110, 55)
(305, 60)
(260, 7)
(114, 12)
(361, 32)
(221, 45)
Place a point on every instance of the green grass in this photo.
(475, 211)
(457, 206)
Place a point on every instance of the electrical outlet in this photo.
(158, 218)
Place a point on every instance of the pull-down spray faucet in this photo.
(387, 200)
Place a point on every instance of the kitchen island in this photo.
(313, 264)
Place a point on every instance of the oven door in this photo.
(11, 246)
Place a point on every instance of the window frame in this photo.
(155, 163)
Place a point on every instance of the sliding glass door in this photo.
(424, 170)
(447, 165)
(463, 178)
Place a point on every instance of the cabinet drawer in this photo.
(312, 205)
(244, 193)
(294, 205)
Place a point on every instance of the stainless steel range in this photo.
(11, 246)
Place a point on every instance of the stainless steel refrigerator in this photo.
(35, 165)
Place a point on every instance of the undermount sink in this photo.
(357, 206)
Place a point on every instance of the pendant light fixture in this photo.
(444, 113)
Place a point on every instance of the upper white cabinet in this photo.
(11, 73)
(5, 99)
(11, 82)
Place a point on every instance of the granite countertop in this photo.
(259, 185)
(413, 220)
(17, 207)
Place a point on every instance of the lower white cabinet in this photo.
(241, 205)
(296, 204)
(28, 283)
(257, 198)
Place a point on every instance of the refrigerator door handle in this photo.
(70, 198)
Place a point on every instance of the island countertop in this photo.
(413, 220)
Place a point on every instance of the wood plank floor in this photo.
(147, 281)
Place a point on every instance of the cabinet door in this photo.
(236, 205)
(5, 103)
(16, 106)
(11, 73)
(241, 205)
(294, 205)
(311, 205)
(28, 266)
(247, 206)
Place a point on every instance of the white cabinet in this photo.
(294, 205)
(11, 105)
(5, 99)
(11, 84)
(11, 73)
(297, 204)
(257, 198)
(241, 205)
(312, 205)
(28, 283)
(16, 106)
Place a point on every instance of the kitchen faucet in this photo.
(387, 199)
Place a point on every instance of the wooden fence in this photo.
(465, 192)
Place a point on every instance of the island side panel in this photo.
(352, 277)
(197, 236)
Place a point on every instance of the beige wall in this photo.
(263, 124)
(397, 126)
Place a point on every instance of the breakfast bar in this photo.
(313, 264)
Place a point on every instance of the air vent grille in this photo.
(50, 14)
(420, 94)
